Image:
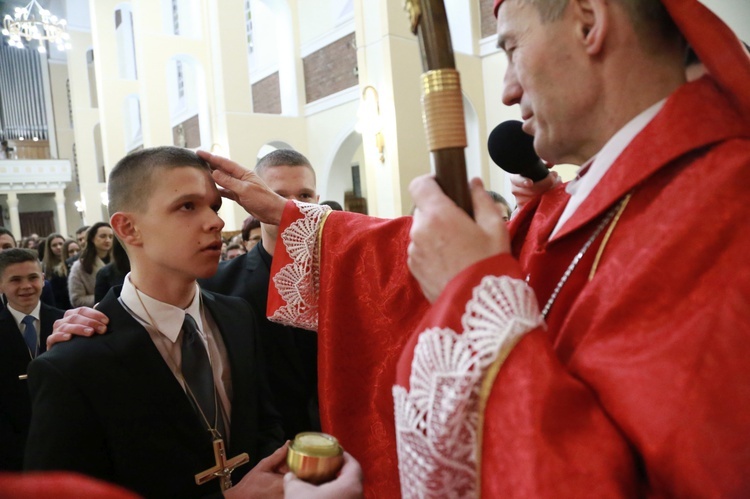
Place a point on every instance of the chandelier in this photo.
(37, 25)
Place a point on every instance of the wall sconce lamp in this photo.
(104, 196)
(369, 121)
(80, 206)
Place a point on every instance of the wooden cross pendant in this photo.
(223, 468)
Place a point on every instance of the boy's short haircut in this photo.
(282, 157)
(249, 224)
(17, 255)
(4, 231)
(334, 205)
(130, 186)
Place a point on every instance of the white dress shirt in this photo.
(165, 333)
(580, 188)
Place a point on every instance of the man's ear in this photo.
(123, 224)
(592, 23)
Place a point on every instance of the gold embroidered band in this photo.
(442, 109)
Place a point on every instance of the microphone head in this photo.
(512, 149)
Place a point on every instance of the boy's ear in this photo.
(593, 24)
(124, 226)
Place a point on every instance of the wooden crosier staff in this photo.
(442, 104)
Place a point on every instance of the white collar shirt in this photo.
(164, 324)
(580, 188)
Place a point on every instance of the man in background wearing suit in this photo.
(290, 353)
(25, 323)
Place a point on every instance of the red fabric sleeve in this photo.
(60, 485)
(368, 305)
(544, 433)
(281, 258)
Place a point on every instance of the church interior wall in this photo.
(488, 25)
(30, 203)
(267, 95)
(331, 69)
(65, 134)
(285, 33)
(461, 27)
(327, 131)
(265, 55)
(246, 133)
(340, 182)
(736, 13)
(407, 133)
(85, 120)
(316, 19)
(471, 69)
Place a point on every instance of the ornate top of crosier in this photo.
(413, 9)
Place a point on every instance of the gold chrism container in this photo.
(315, 457)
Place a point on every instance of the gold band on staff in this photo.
(443, 109)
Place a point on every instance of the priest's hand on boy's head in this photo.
(445, 240)
(245, 188)
(82, 321)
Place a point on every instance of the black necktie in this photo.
(196, 370)
(30, 335)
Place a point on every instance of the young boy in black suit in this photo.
(291, 353)
(25, 323)
(145, 404)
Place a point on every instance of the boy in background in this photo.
(25, 323)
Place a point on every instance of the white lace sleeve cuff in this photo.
(438, 418)
(298, 282)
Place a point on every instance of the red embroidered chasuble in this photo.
(637, 382)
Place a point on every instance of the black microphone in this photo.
(512, 149)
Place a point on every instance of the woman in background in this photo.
(52, 254)
(112, 274)
(55, 270)
(71, 249)
(95, 255)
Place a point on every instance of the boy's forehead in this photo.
(169, 177)
(23, 268)
(304, 173)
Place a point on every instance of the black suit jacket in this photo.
(15, 404)
(291, 353)
(110, 407)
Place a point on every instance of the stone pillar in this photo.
(62, 219)
(388, 59)
(15, 219)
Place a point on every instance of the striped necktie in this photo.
(30, 335)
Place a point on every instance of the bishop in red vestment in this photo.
(600, 352)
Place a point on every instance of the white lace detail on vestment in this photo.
(438, 419)
(297, 282)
